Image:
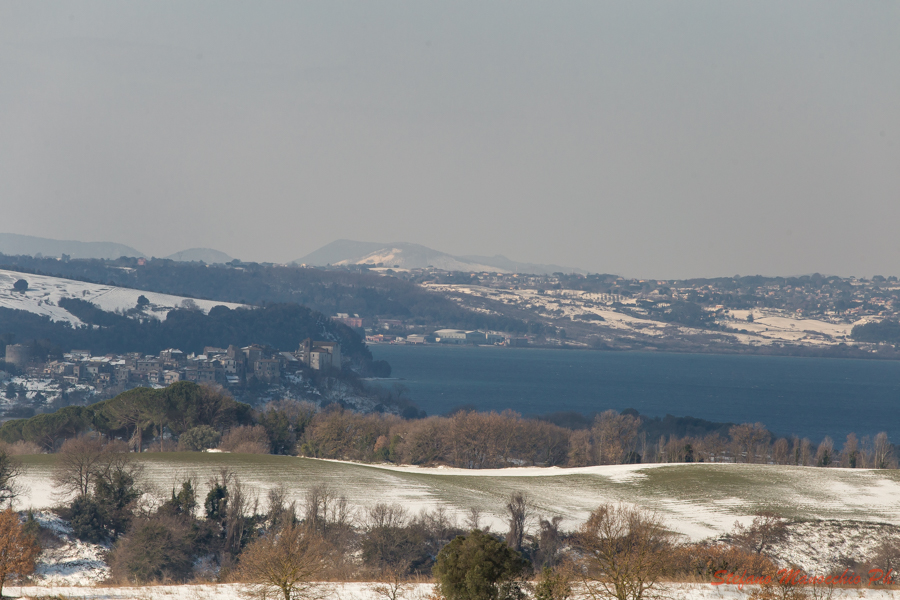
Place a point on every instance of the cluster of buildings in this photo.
(230, 367)
(457, 337)
(388, 331)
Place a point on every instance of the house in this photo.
(320, 355)
(170, 377)
(145, 365)
(267, 369)
(253, 353)
(206, 374)
(354, 321)
(288, 361)
(172, 356)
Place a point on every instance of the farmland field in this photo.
(697, 500)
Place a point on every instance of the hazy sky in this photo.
(657, 139)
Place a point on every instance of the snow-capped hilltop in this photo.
(404, 255)
(44, 293)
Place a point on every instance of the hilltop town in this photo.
(253, 372)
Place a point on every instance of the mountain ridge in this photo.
(15, 244)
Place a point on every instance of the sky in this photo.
(647, 139)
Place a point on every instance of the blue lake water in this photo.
(810, 397)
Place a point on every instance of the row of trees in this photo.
(469, 439)
(189, 417)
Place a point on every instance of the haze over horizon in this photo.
(695, 139)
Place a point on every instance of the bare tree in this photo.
(615, 436)
(391, 583)
(766, 530)
(781, 452)
(246, 439)
(825, 452)
(280, 510)
(850, 452)
(383, 516)
(473, 518)
(883, 452)
(713, 447)
(550, 542)
(84, 460)
(580, 449)
(325, 511)
(518, 509)
(10, 469)
(241, 503)
(287, 562)
(805, 452)
(624, 551)
(746, 439)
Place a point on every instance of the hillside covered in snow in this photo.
(44, 293)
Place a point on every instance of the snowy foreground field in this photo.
(697, 500)
(364, 591)
(845, 512)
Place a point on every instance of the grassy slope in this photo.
(696, 499)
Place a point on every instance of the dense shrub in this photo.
(199, 438)
(478, 566)
(157, 548)
(87, 520)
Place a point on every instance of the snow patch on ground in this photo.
(72, 562)
(824, 547)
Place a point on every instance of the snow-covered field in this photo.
(847, 512)
(365, 591)
(44, 293)
(696, 500)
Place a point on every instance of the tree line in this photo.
(190, 417)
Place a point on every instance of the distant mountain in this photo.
(414, 256)
(338, 251)
(207, 255)
(13, 243)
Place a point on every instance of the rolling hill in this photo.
(208, 255)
